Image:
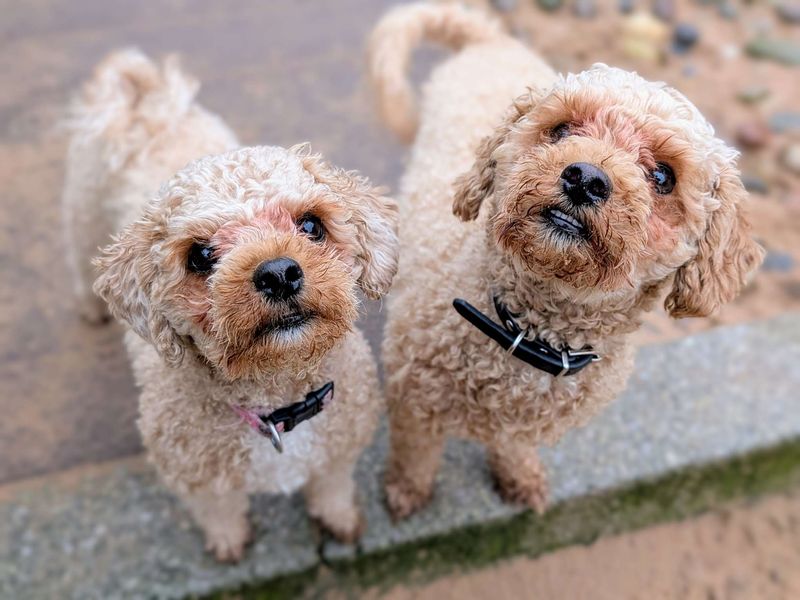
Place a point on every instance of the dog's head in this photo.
(252, 258)
(609, 183)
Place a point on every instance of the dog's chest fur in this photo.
(271, 471)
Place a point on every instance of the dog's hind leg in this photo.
(413, 462)
(520, 476)
(223, 519)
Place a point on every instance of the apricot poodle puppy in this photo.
(238, 282)
(581, 201)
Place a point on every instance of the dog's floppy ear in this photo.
(374, 216)
(726, 255)
(475, 185)
(127, 282)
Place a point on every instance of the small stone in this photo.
(752, 135)
(753, 94)
(728, 10)
(729, 51)
(504, 6)
(585, 9)
(785, 121)
(755, 184)
(791, 158)
(689, 71)
(549, 5)
(779, 262)
(684, 37)
(789, 12)
(643, 36)
(782, 51)
(664, 10)
(626, 6)
(792, 289)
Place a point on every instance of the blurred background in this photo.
(282, 72)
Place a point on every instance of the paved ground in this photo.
(742, 552)
(278, 72)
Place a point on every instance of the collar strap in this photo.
(283, 420)
(511, 338)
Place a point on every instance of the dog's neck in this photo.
(282, 383)
(555, 315)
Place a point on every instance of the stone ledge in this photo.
(705, 419)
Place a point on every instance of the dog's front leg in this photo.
(331, 500)
(223, 519)
(413, 462)
(520, 476)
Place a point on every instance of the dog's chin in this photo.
(293, 343)
(556, 245)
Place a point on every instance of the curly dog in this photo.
(581, 201)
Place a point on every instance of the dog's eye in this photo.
(201, 258)
(312, 227)
(559, 132)
(663, 178)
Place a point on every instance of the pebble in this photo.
(791, 158)
(755, 184)
(626, 6)
(585, 9)
(504, 5)
(549, 5)
(728, 10)
(782, 51)
(664, 9)
(684, 37)
(642, 36)
(729, 51)
(753, 94)
(785, 121)
(689, 71)
(752, 135)
(789, 12)
(780, 262)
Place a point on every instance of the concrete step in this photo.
(705, 419)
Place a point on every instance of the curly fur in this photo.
(201, 344)
(485, 151)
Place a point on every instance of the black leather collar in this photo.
(511, 338)
(287, 418)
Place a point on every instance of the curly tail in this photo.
(393, 40)
(127, 102)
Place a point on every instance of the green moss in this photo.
(580, 521)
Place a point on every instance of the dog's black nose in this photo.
(585, 184)
(279, 278)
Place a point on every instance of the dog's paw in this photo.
(228, 544)
(531, 492)
(347, 529)
(402, 499)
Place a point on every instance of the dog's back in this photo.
(132, 126)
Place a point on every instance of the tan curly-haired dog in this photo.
(238, 282)
(580, 203)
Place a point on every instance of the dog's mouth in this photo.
(565, 223)
(283, 324)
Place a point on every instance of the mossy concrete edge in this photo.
(675, 496)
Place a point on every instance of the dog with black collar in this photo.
(580, 201)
